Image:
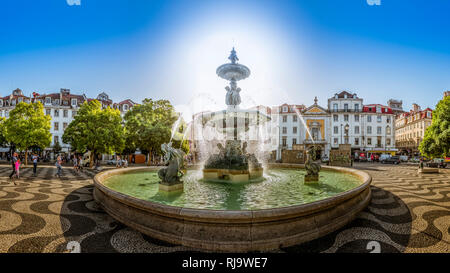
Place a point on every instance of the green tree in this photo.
(3, 140)
(96, 130)
(57, 147)
(149, 125)
(436, 142)
(27, 126)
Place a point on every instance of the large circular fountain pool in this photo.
(278, 188)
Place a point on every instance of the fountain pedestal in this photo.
(233, 175)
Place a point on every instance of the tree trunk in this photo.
(148, 159)
(91, 159)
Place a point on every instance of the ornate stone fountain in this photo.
(233, 162)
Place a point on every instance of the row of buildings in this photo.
(368, 128)
(62, 107)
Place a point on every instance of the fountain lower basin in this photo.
(236, 229)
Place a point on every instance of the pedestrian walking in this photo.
(80, 163)
(13, 163)
(58, 166)
(17, 166)
(35, 158)
(75, 163)
(118, 162)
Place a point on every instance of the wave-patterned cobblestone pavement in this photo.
(408, 213)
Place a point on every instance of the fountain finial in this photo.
(233, 57)
(315, 100)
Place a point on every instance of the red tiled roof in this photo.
(372, 108)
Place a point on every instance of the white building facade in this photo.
(368, 128)
(62, 107)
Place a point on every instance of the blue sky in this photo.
(170, 49)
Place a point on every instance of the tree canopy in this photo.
(436, 142)
(96, 130)
(28, 126)
(149, 125)
(3, 140)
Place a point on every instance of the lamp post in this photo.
(346, 127)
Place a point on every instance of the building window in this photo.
(379, 130)
(6, 113)
(56, 139)
(294, 118)
(1, 103)
(285, 109)
(294, 130)
(56, 126)
(356, 140)
(379, 118)
(356, 129)
(335, 118)
(346, 107)
(20, 100)
(294, 141)
(65, 113)
(64, 125)
(335, 140)
(284, 130)
(388, 141)
(284, 142)
(369, 118)
(369, 129)
(47, 112)
(284, 118)
(388, 119)
(336, 130)
(369, 141)
(345, 117)
(335, 107)
(356, 118)
(13, 102)
(56, 113)
(388, 130)
(74, 113)
(356, 107)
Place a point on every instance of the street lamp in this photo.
(346, 131)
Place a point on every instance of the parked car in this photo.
(325, 159)
(436, 163)
(404, 158)
(391, 160)
(111, 162)
(384, 156)
(414, 159)
(362, 159)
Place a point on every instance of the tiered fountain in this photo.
(279, 208)
(233, 162)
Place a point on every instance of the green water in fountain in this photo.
(278, 188)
